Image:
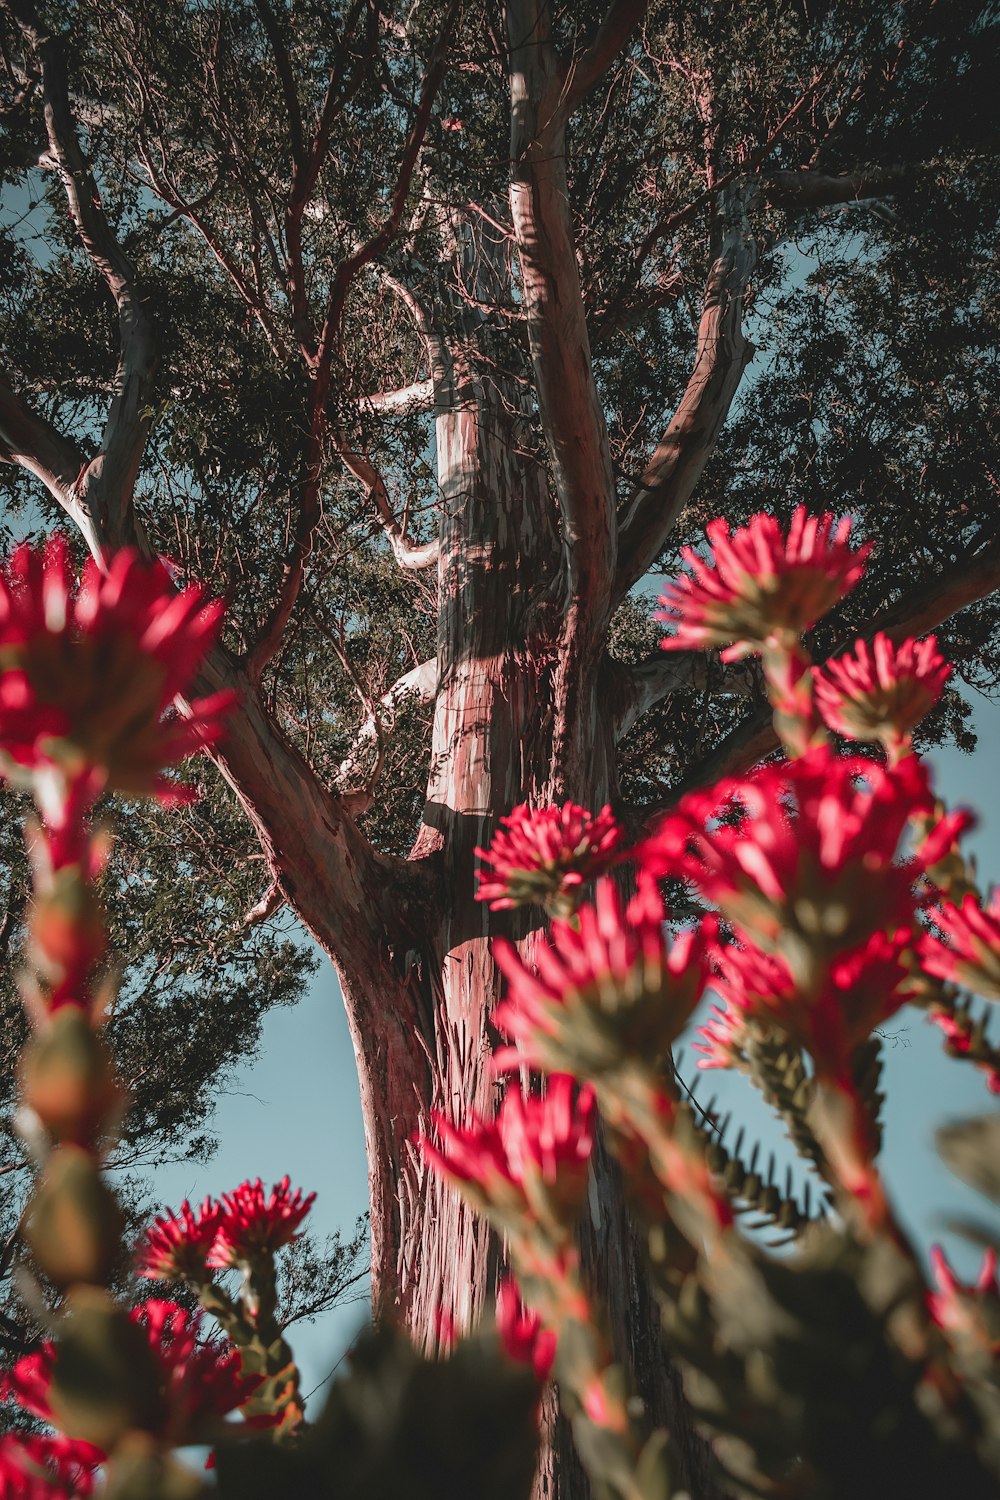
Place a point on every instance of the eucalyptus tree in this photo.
(427, 333)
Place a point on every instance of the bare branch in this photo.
(572, 418)
(721, 356)
(31, 442)
(104, 490)
(403, 402)
(409, 555)
(648, 682)
(420, 682)
(272, 900)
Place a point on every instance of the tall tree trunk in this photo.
(495, 743)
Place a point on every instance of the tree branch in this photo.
(646, 683)
(103, 490)
(30, 441)
(572, 418)
(721, 356)
(403, 402)
(807, 189)
(319, 360)
(409, 555)
(420, 682)
(613, 35)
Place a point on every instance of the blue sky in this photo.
(297, 1110)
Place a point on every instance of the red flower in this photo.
(252, 1225)
(604, 984)
(849, 997)
(176, 1246)
(545, 854)
(88, 682)
(201, 1381)
(971, 1312)
(34, 1466)
(532, 1159)
(960, 1032)
(760, 584)
(798, 855)
(968, 952)
(521, 1332)
(721, 1038)
(747, 982)
(882, 691)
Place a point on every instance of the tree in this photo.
(429, 410)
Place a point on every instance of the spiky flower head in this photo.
(604, 987)
(531, 1162)
(544, 855)
(88, 678)
(176, 1247)
(967, 951)
(253, 1223)
(760, 584)
(801, 856)
(881, 691)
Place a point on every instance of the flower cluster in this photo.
(87, 679)
(246, 1225)
(760, 584)
(545, 855)
(802, 859)
(199, 1381)
(604, 984)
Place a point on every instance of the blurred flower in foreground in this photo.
(881, 691)
(87, 680)
(198, 1381)
(968, 950)
(35, 1466)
